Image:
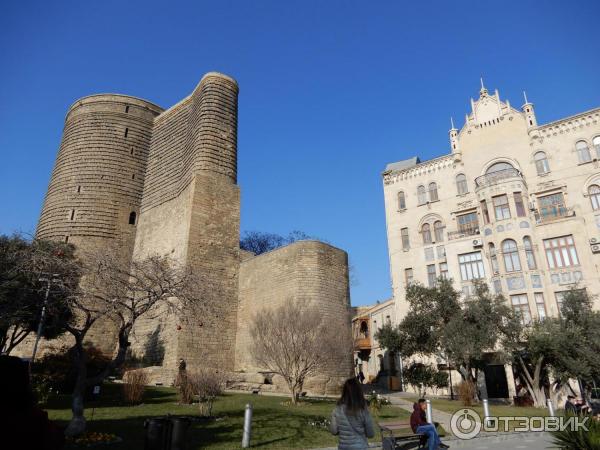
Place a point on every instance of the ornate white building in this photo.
(514, 203)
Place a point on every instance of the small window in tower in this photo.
(79, 189)
(131, 150)
(66, 239)
(72, 214)
(530, 122)
(126, 131)
(132, 217)
(133, 176)
(127, 109)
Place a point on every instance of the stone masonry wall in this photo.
(307, 270)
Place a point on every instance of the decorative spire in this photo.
(483, 90)
(525, 97)
(452, 123)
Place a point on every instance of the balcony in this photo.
(550, 214)
(493, 178)
(463, 233)
(362, 343)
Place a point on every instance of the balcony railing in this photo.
(492, 178)
(363, 343)
(551, 214)
(462, 233)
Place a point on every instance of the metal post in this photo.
(247, 426)
(429, 411)
(450, 379)
(42, 318)
(401, 373)
(486, 411)
(551, 408)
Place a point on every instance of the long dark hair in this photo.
(352, 396)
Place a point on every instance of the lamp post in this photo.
(40, 328)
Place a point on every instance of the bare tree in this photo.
(296, 342)
(123, 292)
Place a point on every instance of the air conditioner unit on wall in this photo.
(477, 242)
(596, 248)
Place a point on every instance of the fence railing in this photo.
(492, 178)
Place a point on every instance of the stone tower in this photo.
(95, 191)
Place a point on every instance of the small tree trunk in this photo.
(77, 424)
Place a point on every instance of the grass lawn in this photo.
(274, 424)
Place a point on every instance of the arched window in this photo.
(594, 193)
(498, 167)
(433, 194)
(494, 258)
(438, 229)
(421, 195)
(461, 183)
(583, 151)
(511, 256)
(596, 143)
(364, 329)
(426, 232)
(401, 201)
(541, 163)
(132, 217)
(529, 255)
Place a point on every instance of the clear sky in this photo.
(330, 91)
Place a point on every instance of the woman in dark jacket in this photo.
(351, 419)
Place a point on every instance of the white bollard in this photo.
(486, 411)
(551, 408)
(429, 411)
(247, 426)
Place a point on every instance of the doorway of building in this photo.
(495, 381)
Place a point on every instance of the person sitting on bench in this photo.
(419, 425)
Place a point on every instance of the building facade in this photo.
(377, 364)
(141, 180)
(514, 203)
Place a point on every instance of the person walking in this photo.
(351, 420)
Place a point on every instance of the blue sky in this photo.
(330, 91)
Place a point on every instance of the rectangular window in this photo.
(540, 305)
(471, 266)
(429, 254)
(551, 206)
(468, 223)
(497, 286)
(444, 270)
(561, 252)
(405, 240)
(485, 212)
(519, 204)
(401, 201)
(441, 251)
(408, 276)
(501, 208)
(520, 305)
(431, 275)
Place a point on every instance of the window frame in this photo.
(409, 276)
(522, 307)
(542, 166)
(464, 227)
(519, 204)
(426, 233)
(553, 209)
(462, 186)
(431, 275)
(583, 152)
(594, 196)
(542, 303)
(467, 262)
(529, 253)
(510, 256)
(432, 188)
(405, 238)
(561, 253)
(438, 231)
(502, 208)
(421, 195)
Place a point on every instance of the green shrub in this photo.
(579, 439)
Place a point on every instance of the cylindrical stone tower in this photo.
(96, 187)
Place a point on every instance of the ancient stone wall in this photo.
(309, 271)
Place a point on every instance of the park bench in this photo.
(394, 435)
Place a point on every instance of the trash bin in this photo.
(157, 433)
(179, 428)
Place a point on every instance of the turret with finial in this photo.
(527, 108)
